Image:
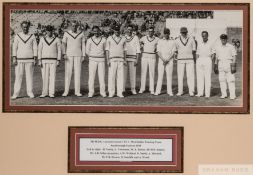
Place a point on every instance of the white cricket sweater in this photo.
(116, 47)
(24, 47)
(49, 49)
(149, 46)
(185, 46)
(75, 43)
(95, 48)
(133, 47)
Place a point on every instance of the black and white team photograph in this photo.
(126, 57)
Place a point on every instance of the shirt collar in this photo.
(166, 39)
(205, 42)
(114, 36)
(185, 38)
(130, 35)
(151, 37)
(28, 34)
(224, 45)
(97, 38)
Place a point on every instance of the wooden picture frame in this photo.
(130, 104)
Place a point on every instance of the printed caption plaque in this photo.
(125, 149)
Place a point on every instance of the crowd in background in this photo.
(116, 18)
(112, 18)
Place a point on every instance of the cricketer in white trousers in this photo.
(116, 53)
(48, 72)
(225, 76)
(76, 62)
(204, 71)
(133, 51)
(74, 48)
(25, 50)
(19, 71)
(189, 65)
(185, 46)
(49, 51)
(148, 62)
(169, 70)
(93, 67)
(226, 55)
(116, 73)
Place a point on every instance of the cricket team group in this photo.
(121, 53)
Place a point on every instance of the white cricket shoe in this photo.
(64, 94)
(103, 95)
(134, 92)
(42, 96)
(14, 97)
(120, 95)
(79, 95)
(141, 91)
(223, 96)
(232, 97)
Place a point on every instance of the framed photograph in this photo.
(125, 149)
(127, 57)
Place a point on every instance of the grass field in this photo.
(145, 99)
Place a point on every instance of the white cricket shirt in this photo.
(166, 47)
(225, 52)
(204, 49)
